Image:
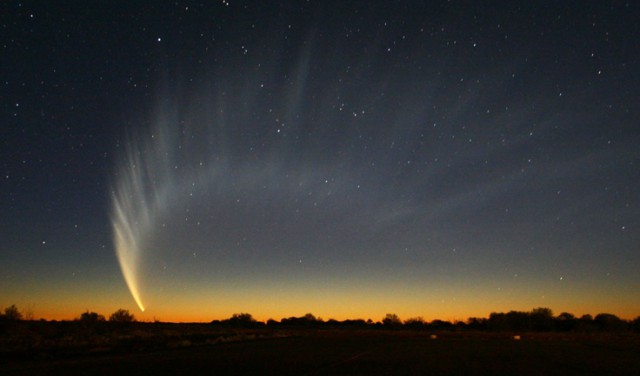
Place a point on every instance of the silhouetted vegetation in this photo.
(122, 316)
(392, 321)
(566, 322)
(635, 324)
(91, 317)
(240, 320)
(10, 316)
(12, 313)
(537, 320)
(306, 321)
(475, 323)
(609, 322)
(542, 320)
(415, 323)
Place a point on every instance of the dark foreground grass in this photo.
(351, 352)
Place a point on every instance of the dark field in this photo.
(332, 352)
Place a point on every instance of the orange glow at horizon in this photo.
(66, 297)
(330, 302)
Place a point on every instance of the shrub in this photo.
(12, 313)
(122, 315)
(91, 317)
(242, 320)
(609, 322)
(391, 320)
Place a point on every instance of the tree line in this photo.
(537, 320)
(12, 313)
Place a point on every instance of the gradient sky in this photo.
(349, 159)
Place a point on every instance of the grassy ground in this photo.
(344, 352)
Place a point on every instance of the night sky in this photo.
(442, 159)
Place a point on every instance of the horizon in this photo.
(263, 319)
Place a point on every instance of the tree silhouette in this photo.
(122, 316)
(310, 317)
(566, 322)
(440, 325)
(308, 320)
(91, 317)
(497, 321)
(518, 320)
(541, 319)
(391, 320)
(415, 323)
(12, 313)
(609, 322)
(242, 319)
(476, 323)
(585, 323)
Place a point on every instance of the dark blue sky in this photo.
(438, 159)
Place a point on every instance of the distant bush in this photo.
(566, 322)
(536, 320)
(242, 320)
(122, 316)
(609, 322)
(415, 323)
(308, 320)
(272, 323)
(541, 319)
(391, 320)
(440, 325)
(476, 323)
(12, 313)
(91, 317)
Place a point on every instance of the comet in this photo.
(138, 202)
(127, 251)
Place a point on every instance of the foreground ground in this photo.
(346, 352)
